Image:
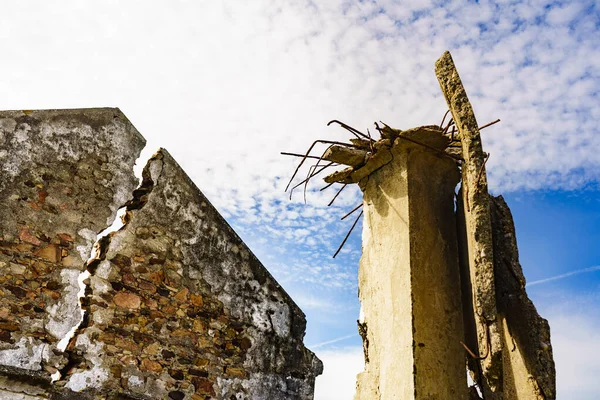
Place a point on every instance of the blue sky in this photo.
(225, 86)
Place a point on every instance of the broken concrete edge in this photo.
(528, 360)
(379, 153)
(474, 174)
(260, 272)
(477, 214)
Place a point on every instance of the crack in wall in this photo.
(98, 254)
(76, 357)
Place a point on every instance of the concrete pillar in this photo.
(477, 262)
(409, 285)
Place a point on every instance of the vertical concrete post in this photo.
(411, 316)
(475, 219)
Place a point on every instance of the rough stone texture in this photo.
(181, 307)
(476, 218)
(63, 175)
(529, 371)
(408, 277)
(176, 305)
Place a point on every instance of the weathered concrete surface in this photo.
(180, 308)
(177, 307)
(63, 175)
(478, 232)
(345, 155)
(362, 163)
(409, 277)
(529, 371)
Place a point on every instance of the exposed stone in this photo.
(50, 253)
(127, 300)
(177, 306)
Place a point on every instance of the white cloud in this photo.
(225, 86)
(341, 366)
(575, 343)
(566, 275)
(576, 346)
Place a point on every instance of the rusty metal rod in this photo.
(489, 124)
(352, 130)
(348, 234)
(444, 119)
(326, 186)
(488, 345)
(450, 123)
(298, 155)
(315, 167)
(429, 147)
(307, 154)
(356, 208)
(337, 194)
(315, 173)
(370, 141)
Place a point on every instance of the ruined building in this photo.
(172, 305)
(440, 282)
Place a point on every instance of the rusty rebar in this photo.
(429, 147)
(298, 155)
(350, 213)
(489, 124)
(326, 186)
(370, 141)
(444, 119)
(307, 155)
(488, 345)
(487, 157)
(352, 130)
(348, 234)
(337, 194)
(315, 167)
(312, 175)
(450, 123)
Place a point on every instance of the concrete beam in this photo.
(475, 204)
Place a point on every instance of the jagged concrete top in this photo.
(364, 157)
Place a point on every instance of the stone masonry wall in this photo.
(176, 305)
(63, 176)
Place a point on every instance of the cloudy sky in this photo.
(225, 86)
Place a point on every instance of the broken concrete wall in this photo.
(510, 356)
(528, 363)
(176, 306)
(476, 220)
(409, 277)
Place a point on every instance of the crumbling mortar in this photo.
(137, 202)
